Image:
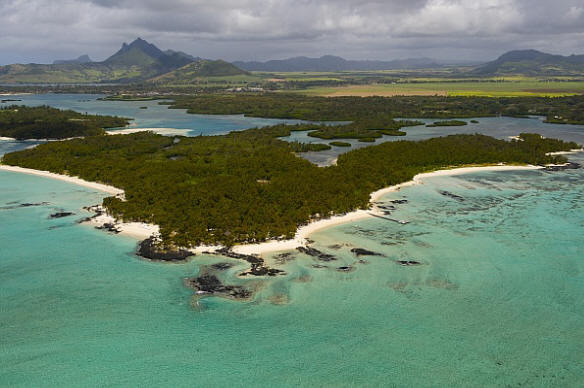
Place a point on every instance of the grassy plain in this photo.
(518, 88)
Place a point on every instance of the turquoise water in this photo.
(159, 116)
(156, 116)
(496, 301)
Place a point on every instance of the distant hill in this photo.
(334, 63)
(135, 62)
(533, 63)
(82, 59)
(201, 68)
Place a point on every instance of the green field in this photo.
(520, 88)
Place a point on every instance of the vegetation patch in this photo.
(448, 123)
(44, 122)
(340, 144)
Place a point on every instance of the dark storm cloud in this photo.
(41, 30)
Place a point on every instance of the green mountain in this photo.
(533, 63)
(135, 62)
(202, 68)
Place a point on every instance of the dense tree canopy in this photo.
(250, 186)
(558, 109)
(44, 122)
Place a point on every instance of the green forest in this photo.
(44, 122)
(569, 110)
(250, 186)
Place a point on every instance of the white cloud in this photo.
(46, 29)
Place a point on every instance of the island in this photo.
(249, 186)
(44, 122)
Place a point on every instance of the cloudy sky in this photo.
(43, 30)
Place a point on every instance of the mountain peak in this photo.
(532, 62)
(139, 52)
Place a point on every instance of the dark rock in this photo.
(283, 258)
(61, 214)
(109, 227)
(399, 201)
(408, 263)
(451, 195)
(16, 205)
(151, 249)
(316, 253)
(257, 263)
(567, 166)
(364, 252)
(211, 285)
(347, 268)
(83, 220)
(221, 266)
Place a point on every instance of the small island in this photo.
(448, 123)
(44, 122)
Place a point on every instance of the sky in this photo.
(40, 31)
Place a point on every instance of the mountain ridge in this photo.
(334, 63)
(532, 62)
(137, 61)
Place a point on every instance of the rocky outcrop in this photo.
(258, 267)
(152, 249)
(316, 254)
(364, 252)
(567, 166)
(207, 284)
(61, 214)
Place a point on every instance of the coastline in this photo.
(159, 131)
(143, 230)
(303, 232)
(137, 230)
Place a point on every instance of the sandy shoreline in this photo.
(302, 234)
(143, 230)
(65, 178)
(160, 131)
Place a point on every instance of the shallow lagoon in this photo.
(496, 302)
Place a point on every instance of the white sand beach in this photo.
(160, 131)
(305, 231)
(134, 229)
(65, 178)
(143, 230)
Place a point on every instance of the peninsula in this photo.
(249, 186)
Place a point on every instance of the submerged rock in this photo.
(399, 201)
(347, 268)
(221, 266)
(283, 258)
(258, 267)
(408, 263)
(208, 284)
(151, 249)
(61, 214)
(16, 205)
(451, 195)
(316, 253)
(364, 252)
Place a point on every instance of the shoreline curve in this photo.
(141, 231)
